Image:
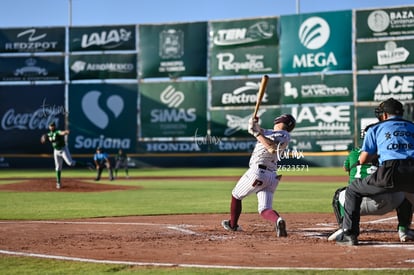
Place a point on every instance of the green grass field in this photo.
(172, 197)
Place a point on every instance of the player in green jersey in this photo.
(60, 151)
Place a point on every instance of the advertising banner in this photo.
(243, 92)
(17, 40)
(102, 38)
(365, 117)
(380, 87)
(174, 109)
(385, 55)
(32, 68)
(234, 123)
(322, 127)
(103, 66)
(317, 89)
(244, 61)
(103, 115)
(193, 146)
(173, 50)
(244, 33)
(383, 22)
(316, 42)
(25, 114)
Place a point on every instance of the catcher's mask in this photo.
(288, 120)
(389, 106)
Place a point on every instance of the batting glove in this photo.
(254, 127)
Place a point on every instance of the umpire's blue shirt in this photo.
(100, 156)
(391, 139)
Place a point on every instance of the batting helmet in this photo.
(288, 120)
(389, 106)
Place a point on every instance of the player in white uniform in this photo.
(261, 177)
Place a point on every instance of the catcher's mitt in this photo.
(43, 138)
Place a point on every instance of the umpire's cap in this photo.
(286, 119)
(389, 106)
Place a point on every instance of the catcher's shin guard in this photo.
(336, 205)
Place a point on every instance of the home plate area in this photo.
(199, 240)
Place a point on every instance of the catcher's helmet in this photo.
(390, 106)
(288, 120)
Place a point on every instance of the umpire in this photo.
(102, 160)
(392, 140)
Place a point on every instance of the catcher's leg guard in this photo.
(337, 206)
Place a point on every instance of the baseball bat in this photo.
(260, 94)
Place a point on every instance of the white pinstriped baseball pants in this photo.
(260, 181)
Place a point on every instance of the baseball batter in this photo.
(261, 177)
(60, 150)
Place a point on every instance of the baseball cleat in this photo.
(226, 225)
(333, 236)
(58, 185)
(406, 235)
(281, 228)
(346, 238)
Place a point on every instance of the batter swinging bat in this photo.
(260, 94)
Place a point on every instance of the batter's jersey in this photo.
(57, 140)
(391, 139)
(261, 156)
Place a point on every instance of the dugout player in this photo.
(60, 151)
(392, 140)
(261, 177)
(102, 160)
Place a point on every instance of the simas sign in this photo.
(102, 38)
(316, 42)
(32, 40)
(173, 109)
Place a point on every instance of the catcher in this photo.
(60, 151)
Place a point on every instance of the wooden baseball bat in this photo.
(260, 93)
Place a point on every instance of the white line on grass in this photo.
(55, 257)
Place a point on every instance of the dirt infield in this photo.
(199, 240)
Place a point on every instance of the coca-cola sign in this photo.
(37, 120)
(23, 122)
